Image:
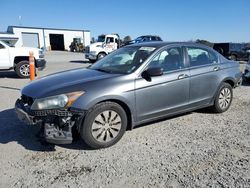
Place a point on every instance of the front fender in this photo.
(85, 104)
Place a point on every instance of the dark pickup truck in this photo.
(233, 51)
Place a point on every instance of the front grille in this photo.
(54, 112)
(27, 100)
(87, 49)
(41, 56)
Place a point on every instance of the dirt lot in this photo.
(198, 149)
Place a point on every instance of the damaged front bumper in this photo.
(57, 124)
(22, 113)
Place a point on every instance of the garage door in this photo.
(56, 41)
(30, 40)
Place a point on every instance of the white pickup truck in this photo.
(18, 59)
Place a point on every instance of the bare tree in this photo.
(205, 42)
(92, 39)
(127, 39)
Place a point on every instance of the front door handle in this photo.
(182, 76)
(216, 68)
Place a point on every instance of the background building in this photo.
(47, 38)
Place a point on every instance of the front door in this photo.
(163, 94)
(110, 45)
(4, 57)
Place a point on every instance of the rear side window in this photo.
(200, 56)
(153, 38)
(158, 38)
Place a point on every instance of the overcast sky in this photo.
(173, 20)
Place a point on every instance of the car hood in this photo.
(30, 49)
(63, 82)
(96, 44)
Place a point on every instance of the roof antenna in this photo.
(20, 20)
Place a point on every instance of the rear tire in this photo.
(104, 125)
(223, 98)
(22, 69)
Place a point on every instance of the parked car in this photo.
(233, 51)
(133, 85)
(18, 59)
(247, 72)
(145, 38)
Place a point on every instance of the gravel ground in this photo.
(198, 149)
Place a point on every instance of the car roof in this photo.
(148, 36)
(160, 44)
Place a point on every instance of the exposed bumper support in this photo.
(53, 134)
(22, 113)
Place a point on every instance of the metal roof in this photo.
(6, 33)
(9, 38)
(45, 28)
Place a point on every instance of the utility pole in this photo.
(20, 20)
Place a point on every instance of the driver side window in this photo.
(2, 46)
(110, 40)
(169, 60)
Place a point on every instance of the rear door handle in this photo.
(216, 68)
(182, 76)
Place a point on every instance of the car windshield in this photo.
(6, 43)
(101, 38)
(124, 60)
(139, 39)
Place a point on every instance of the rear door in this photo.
(204, 74)
(4, 57)
(166, 93)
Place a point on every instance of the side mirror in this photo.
(151, 72)
(155, 71)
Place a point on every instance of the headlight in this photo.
(57, 101)
(41, 54)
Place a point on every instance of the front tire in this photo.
(104, 125)
(233, 57)
(100, 56)
(223, 98)
(22, 69)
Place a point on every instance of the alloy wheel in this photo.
(24, 70)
